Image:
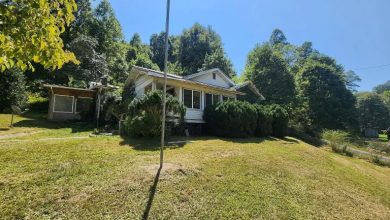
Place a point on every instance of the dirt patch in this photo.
(224, 154)
(170, 169)
(20, 134)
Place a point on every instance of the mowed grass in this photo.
(207, 178)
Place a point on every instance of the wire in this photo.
(372, 67)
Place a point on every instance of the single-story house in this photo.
(196, 91)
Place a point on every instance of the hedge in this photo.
(242, 119)
(231, 119)
(264, 121)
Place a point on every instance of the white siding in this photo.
(141, 83)
(194, 114)
(208, 78)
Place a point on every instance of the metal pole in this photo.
(165, 86)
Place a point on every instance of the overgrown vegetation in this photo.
(145, 112)
(242, 119)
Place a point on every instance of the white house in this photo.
(196, 91)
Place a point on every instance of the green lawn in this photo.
(79, 177)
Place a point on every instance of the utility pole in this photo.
(165, 87)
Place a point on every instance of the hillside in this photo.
(61, 172)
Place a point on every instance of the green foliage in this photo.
(92, 64)
(264, 121)
(157, 47)
(196, 44)
(351, 80)
(30, 32)
(37, 103)
(218, 59)
(277, 37)
(269, 72)
(144, 117)
(373, 113)
(279, 120)
(139, 54)
(382, 87)
(324, 100)
(231, 119)
(13, 89)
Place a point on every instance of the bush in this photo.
(231, 119)
(279, 120)
(264, 121)
(12, 89)
(336, 136)
(144, 114)
(37, 103)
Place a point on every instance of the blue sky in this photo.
(354, 32)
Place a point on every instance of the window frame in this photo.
(54, 103)
(75, 102)
(192, 99)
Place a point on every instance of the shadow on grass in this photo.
(40, 121)
(152, 193)
(151, 144)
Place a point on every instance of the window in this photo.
(191, 98)
(216, 99)
(214, 75)
(208, 99)
(63, 103)
(196, 99)
(83, 104)
(224, 98)
(187, 98)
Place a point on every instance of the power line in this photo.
(372, 67)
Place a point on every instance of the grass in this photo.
(207, 178)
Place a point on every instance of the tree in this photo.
(92, 66)
(386, 98)
(82, 24)
(351, 80)
(157, 44)
(324, 100)
(382, 87)
(13, 89)
(277, 37)
(195, 43)
(372, 111)
(219, 60)
(139, 54)
(108, 32)
(269, 72)
(30, 32)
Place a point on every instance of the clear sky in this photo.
(354, 32)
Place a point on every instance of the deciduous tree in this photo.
(30, 32)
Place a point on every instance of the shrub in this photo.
(12, 89)
(144, 116)
(279, 120)
(264, 121)
(231, 119)
(336, 136)
(37, 103)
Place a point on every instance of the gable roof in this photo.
(159, 74)
(252, 87)
(222, 74)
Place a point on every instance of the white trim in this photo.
(54, 104)
(75, 102)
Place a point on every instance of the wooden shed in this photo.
(67, 103)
